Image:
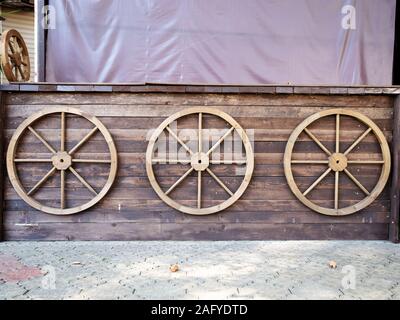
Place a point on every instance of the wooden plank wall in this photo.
(132, 210)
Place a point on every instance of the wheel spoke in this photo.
(309, 161)
(11, 46)
(357, 141)
(220, 141)
(317, 181)
(17, 49)
(179, 140)
(62, 189)
(32, 160)
(319, 143)
(62, 147)
(37, 185)
(19, 68)
(80, 143)
(337, 134)
(200, 132)
(163, 161)
(228, 161)
(358, 183)
(337, 190)
(82, 180)
(15, 71)
(365, 162)
(37, 135)
(198, 189)
(219, 182)
(179, 181)
(90, 161)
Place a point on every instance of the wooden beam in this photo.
(41, 35)
(395, 188)
(2, 162)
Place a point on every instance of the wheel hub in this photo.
(200, 161)
(338, 162)
(62, 160)
(17, 58)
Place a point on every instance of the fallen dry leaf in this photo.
(332, 264)
(174, 268)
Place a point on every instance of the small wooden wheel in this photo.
(338, 161)
(199, 161)
(61, 160)
(15, 57)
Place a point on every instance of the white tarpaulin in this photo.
(335, 42)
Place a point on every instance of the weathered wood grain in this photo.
(133, 206)
(251, 111)
(199, 99)
(196, 231)
(264, 190)
(375, 214)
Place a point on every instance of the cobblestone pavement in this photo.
(208, 270)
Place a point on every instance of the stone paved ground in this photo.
(208, 270)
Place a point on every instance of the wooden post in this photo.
(395, 192)
(41, 40)
(2, 162)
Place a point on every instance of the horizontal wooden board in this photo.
(251, 111)
(375, 214)
(172, 88)
(196, 231)
(197, 99)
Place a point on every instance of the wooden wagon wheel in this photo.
(200, 161)
(15, 57)
(61, 159)
(337, 162)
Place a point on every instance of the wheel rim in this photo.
(15, 57)
(200, 161)
(61, 160)
(337, 162)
